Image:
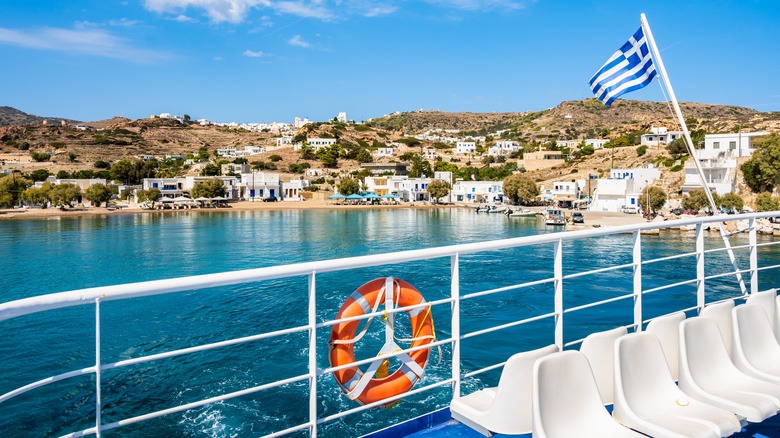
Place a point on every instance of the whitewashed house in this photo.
(291, 190)
(622, 188)
(659, 135)
(260, 185)
(314, 172)
(316, 143)
(597, 143)
(719, 161)
(170, 187)
(565, 193)
(226, 152)
(383, 152)
(284, 141)
(477, 191)
(429, 153)
(231, 183)
(465, 147)
(503, 148)
(235, 169)
(342, 117)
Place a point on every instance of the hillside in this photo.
(12, 116)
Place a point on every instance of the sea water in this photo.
(59, 254)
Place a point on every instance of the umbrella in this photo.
(219, 198)
(203, 199)
(370, 196)
(182, 199)
(389, 196)
(336, 196)
(354, 196)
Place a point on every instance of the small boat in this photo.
(520, 213)
(554, 216)
(497, 209)
(483, 209)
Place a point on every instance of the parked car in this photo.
(577, 218)
(271, 199)
(678, 211)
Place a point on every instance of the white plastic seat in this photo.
(721, 314)
(667, 330)
(506, 408)
(768, 300)
(566, 401)
(708, 375)
(599, 348)
(647, 400)
(756, 351)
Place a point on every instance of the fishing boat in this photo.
(520, 212)
(554, 216)
(635, 302)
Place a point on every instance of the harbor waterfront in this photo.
(59, 254)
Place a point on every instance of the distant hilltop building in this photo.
(342, 117)
(301, 123)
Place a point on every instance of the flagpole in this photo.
(689, 143)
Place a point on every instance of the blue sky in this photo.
(269, 60)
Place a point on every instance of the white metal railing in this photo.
(96, 296)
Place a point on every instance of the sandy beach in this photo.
(592, 218)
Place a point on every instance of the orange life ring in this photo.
(361, 302)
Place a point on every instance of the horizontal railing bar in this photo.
(727, 274)
(763, 268)
(192, 405)
(43, 382)
(579, 341)
(669, 286)
(357, 363)
(385, 401)
(508, 325)
(382, 312)
(506, 288)
(776, 242)
(482, 370)
(724, 248)
(289, 430)
(665, 259)
(598, 271)
(29, 305)
(598, 303)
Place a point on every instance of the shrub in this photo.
(641, 150)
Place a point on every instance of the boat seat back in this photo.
(505, 409)
(721, 314)
(647, 400)
(667, 331)
(755, 348)
(599, 349)
(566, 400)
(768, 300)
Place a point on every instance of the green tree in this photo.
(36, 195)
(656, 197)
(240, 160)
(11, 189)
(588, 150)
(349, 186)
(329, 156)
(438, 188)
(98, 194)
(63, 195)
(307, 152)
(641, 150)
(364, 156)
(121, 171)
(762, 170)
(152, 195)
(731, 201)
(210, 169)
(39, 175)
(766, 202)
(677, 147)
(519, 187)
(275, 158)
(100, 164)
(420, 167)
(695, 200)
(208, 189)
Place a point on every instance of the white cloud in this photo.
(253, 54)
(81, 40)
(482, 5)
(124, 22)
(379, 10)
(181, 18)
(297, 41)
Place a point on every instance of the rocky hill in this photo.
(12, 116)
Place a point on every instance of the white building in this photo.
(565, 193)
(659, 135)
(314, 172)
(170, 187)
(301, 123)
(317, 143)
(504, 148)
(284, 141)
(260, 185)
(719, 161)
(622, 188)
(383, 152)
(342, 117)
(430, 154)
(732, 145)
(291, 191)
(231, 183)
(465, 147)
(226, 152)
(234, 169)
(597, 143)
(477, 191)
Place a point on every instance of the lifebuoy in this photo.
(369, 389)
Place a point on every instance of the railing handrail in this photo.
(25, 306)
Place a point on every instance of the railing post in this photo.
(637, 281)
(98, 395)
(700, 297)
(455, 292)
(313, 354)
(753, 236)
(558, 296)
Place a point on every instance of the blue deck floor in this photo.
(440, 424)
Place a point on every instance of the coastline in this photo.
(592, 218)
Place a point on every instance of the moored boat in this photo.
(554, 216)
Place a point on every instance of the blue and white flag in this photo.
(629, 69)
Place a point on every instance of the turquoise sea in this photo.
(54, 255)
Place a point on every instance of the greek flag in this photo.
(629, 69)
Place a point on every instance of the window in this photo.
(716, 145)
(732, 145)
